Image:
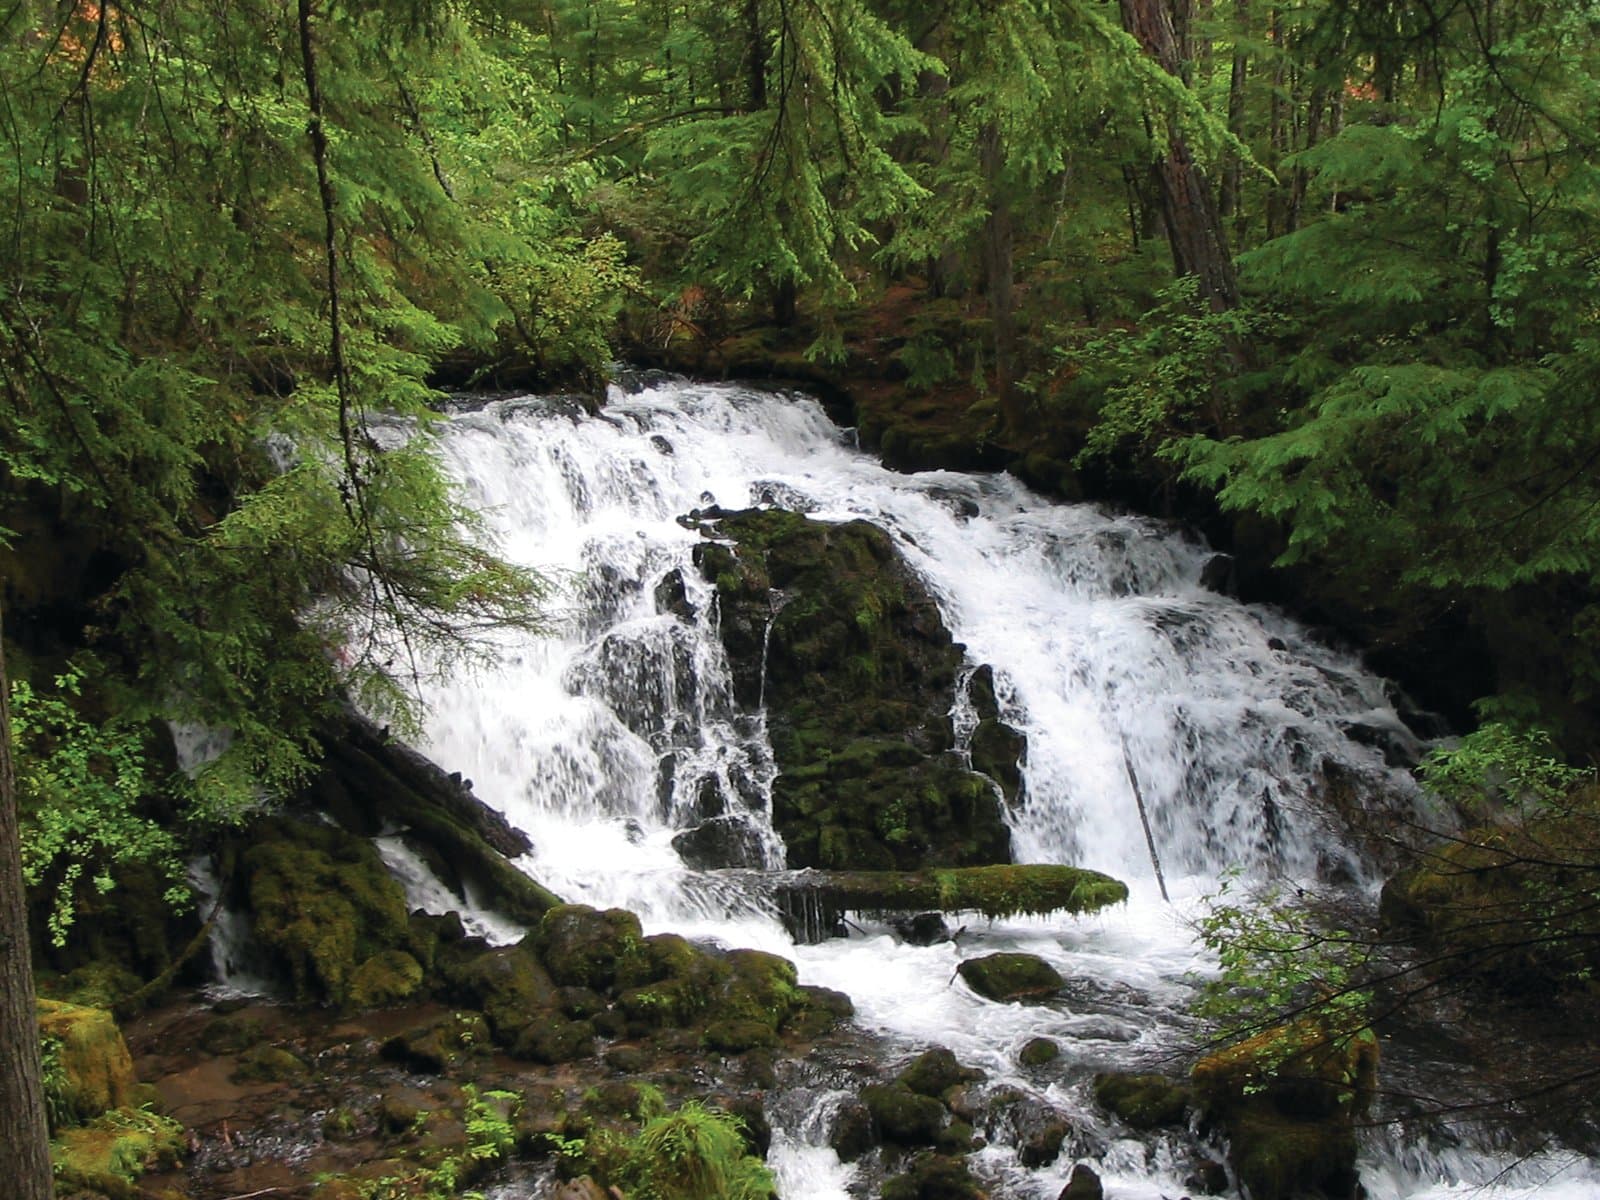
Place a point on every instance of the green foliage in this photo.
(81, 790)
(692, 1153)
(1279, 959)
(1498, 761)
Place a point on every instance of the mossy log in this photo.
(813, 901)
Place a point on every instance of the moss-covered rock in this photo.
(933, 1177)
(1287, 1100)
(439, 1045)
(509, 985)
(583, 947)
(323, 904)
(93, 1071)
(269, 1064)
(828, 625)
(107, 1156)
(553, 1039)
(386, 978)
(936, 1071)
(902, 1116)
(1039, 1051)
(1142, 1101)
(1011, 976)
(1491, 899)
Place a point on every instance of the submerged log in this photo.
(812, 902)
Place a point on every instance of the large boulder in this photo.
(844, 643)
(323, 906)
(89, 1069)
(1287, 1100)
(1011, 976)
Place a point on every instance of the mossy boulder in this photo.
(828, 625)
(554, 1039)
(1142, 1101)
(94, 1071)
(934, 1072)
(934, 1177)
(584, 947)
(1287, 1100)
(1038, 1052)
(387, 978)
(1011, 976)
(107, 1156)
(323, 904)
(509, 985)
(902, 1116)
(1489, 898)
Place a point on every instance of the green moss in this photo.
(323, 903)
(1011, 976)
(933, 1177)
(93, 1069)
(1142, 1101)
(108, 1155)
(509, 985)
(583, 947)
(269, 1064)
(1287, 1099)
(1038, 1052)
(386, 978)
(902, 1116)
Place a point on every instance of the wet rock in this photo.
(673, 597)
(923, 929)
(821, 1009)
(581, 1188)
(1040, 1137)
(269, 1064)
(1082, 1184)
(509, 985)
(1011, 976)
(935, 1072)
(853, 1132)
(322, 904)
(1036, 1052)
(1142, 1101)
(1287, 1100)
(1219, 574)
(1208, 1178)
(583, 947)
(737, 1035)
(437, 1046)
(398, 1110)
(231, 1033)
(934, 1177)
(555, 1040)
(726, 841)
(843, 640)
(580, 1003)
(902, 1116)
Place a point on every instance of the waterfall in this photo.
(603, 741)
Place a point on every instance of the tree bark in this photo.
(24, 1134)
(998, 273)
(1194, 227)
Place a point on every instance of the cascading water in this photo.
(605, 740)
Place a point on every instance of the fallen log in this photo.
(813, 902)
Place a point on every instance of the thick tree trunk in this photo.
(24, 1135)
(1194, 227)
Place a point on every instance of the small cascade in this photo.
(609, 741)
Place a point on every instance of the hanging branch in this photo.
(316, 131)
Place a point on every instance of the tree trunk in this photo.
(1194, 227)
(998, 248)
(24, 1135)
